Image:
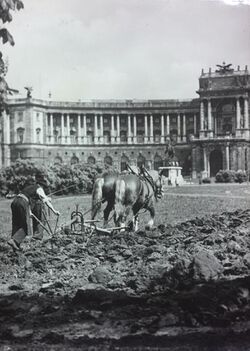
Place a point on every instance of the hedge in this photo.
(226, 176)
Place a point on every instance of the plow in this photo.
(77, 225)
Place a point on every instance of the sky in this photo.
(123, 49)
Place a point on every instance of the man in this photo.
(29, 200)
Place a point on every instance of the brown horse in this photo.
(136, 193)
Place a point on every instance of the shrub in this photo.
(62, 179)
(206, 180)
(240, 176)
(225, 176)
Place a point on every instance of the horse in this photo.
(136, 193)
(104, 191)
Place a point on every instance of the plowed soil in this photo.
(177, 287)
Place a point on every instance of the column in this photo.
(112, 132)
(209, 117)
(129, 130)
(205, 163)
(95, 130)
(240, 160)
(178, 128)
(84, 130)
(151, 129)
(118, 139)
(246, 114)
(135, 130)
(227, 157)
(79, 134)
(101, 140)
(202, 118)
(195, 124)
(47, 139)
(168, 126)
(6, 139)
(68, 130)
(145, 129)
(51, 129)
(6, 128)
(194, 171)
(62, 129)
(237, 113)
(184, 129)
(162, 130)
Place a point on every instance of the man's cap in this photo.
(40, 179)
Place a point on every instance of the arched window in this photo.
(55, 134)
(58, 160)
(106, 137)
(123, 136)
(158, 162)
(141, 161)
(91, 160)
(74, 160)
(38, 135)
(20, 135)
(124, 162)
(73, 135)
(90, 137)
(108, 160)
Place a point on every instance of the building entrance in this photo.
(215, 161)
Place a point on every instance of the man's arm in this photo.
(46, 200)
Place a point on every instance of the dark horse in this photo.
(124, 192)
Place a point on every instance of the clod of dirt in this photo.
(206, 266)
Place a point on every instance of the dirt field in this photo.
(183, 286)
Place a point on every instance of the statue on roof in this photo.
(29, 91)
(224, 68)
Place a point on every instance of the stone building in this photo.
(210, 132)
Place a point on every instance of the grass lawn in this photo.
(178, 205)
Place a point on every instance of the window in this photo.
(20, 135)
(38, 135)
(38, 117)
(20, 117)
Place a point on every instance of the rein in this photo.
(146, 176)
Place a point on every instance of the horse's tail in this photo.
(97, 197)
(120, 191)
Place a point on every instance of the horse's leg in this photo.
(151, 210)
(135, 209)
(96, 197)
(119, 208)
(106, 213)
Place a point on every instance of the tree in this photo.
(6, 6)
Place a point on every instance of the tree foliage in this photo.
(6, 7)
(62, 179)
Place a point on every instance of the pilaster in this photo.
(151, 129)
(145, 129)
(162, 129)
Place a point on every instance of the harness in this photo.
(146, 178)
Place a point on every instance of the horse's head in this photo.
(157, 182)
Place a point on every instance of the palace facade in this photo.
(210, 132)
